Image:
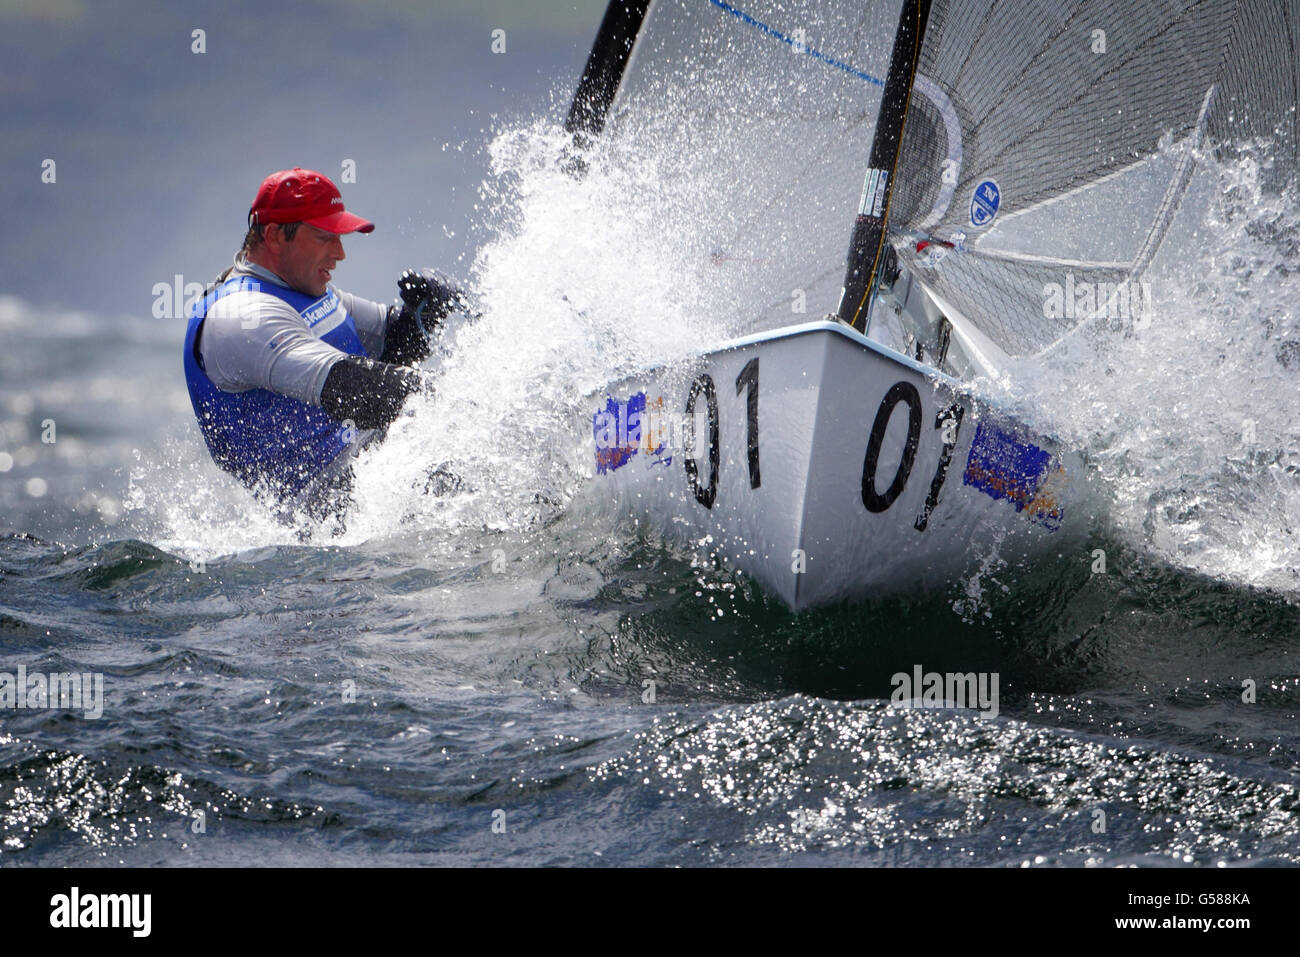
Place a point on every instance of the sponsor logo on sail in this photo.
(984, 203)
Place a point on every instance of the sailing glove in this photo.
(427, 297)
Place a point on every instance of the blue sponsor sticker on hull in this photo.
(623, 430)
(1005, 467)
(617, 431)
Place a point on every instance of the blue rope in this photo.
(744, 17)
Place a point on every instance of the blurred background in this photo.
(159, 150)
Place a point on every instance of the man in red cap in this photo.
(285, 372)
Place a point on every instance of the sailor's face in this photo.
(307, 261)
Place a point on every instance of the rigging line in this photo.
(745, 18)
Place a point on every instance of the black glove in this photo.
(427, 297)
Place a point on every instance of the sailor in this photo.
(288, 374)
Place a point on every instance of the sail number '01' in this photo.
(948, 420)
(703, 385)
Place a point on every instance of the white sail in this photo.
(830, 467)
(1056, 110)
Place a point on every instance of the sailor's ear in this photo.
(275, 235)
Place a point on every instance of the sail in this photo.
(757, 118)
(1031, 163)
(1033, 138)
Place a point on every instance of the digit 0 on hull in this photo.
(820, 497)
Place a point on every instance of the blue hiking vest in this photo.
(267, 440)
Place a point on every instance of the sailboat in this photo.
(1022, 165)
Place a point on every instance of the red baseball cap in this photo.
(303, 195)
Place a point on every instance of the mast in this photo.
(868, 242)
(604, 70)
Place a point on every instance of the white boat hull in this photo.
(810, 488)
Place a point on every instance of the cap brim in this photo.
(343, 222)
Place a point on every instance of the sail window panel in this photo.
(1120, 117)
(1105, 221)
(1042, 113)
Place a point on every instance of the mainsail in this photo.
(1031, 154)
(1048, 102)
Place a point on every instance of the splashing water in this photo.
(588, 280)
(591, 279)
(1190, 417)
